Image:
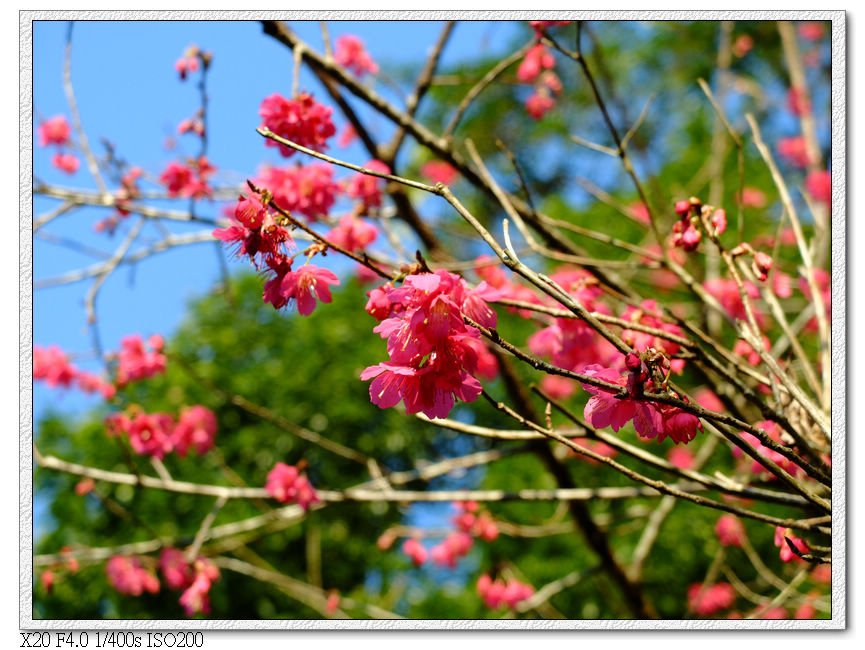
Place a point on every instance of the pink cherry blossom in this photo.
(286, 484)
(66, 162)
(819, 186)
(753, 198)
(352, 233)
(255, 231)
(681, 458)
(309, 190)
(52, 366)
(730, 530)
(150, 434)
(187, 180)
(176, 571)
(351, 53)
(743, 44)
(128, 576)
(196, 429)
(537, 59)
(794, 151)
(539, 103)
(303, 286)
(431, 363)
(188, 62)
(55, 130)
(812, 30)
(196, 598)
(415, 551)
(438, 171)
(711, 599)
(135, 361)
(368, 189)
(787, 555)
(451, 549)
(797, 101)
(301, 120)
(498, 593)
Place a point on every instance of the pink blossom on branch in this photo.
(537, 59)
(54, 131)
(301, 120)
(255, 231)
(128, 576)
(286, 484)
(309, 190)
(730, 530)
(352, 233)
(368, 189)
(196, 429)
(351, 53)
(500, 592)
(196, 598)
(438, 171)
(711, 599)
(66, 162)
(415, 551)
(135, 361)
(303, 286)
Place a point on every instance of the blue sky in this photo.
(128, 92)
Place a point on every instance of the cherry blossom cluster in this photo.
(135, 361)
(157, 434)
(773, 431)
(503, 593)
(439, 171)
(301, 120)
(784, 538)
(55, 131)
(433, 353)
(262, 234)
(536, 68)
(188, 179)
(710, 599)
(687, 231)
(52, 366)
(350, 53)
(309, 190)
(608, 406)
(128, 576)
(129, 191)
(191, 60)
(287, 484)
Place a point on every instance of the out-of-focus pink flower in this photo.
(128, 576)
(498, 593)
(794, 151)
(367, 189)
(743, 349)
(196, 429)
(135, 361)
(347, 136)
(188, 62)
(451, 549)
(46, 578)
(196, 598)
(306, 189)
(596, 446)
(438, 171)
(187, 180)
(90, 383)
(753, 198)
(640, 212)
(537, 59)
(558, 387)
(352, 233)
(743, 44)
(726, 292)
(539, 103)
(787, 555)
(541, 25)
(812, 30)
(332, 603)
(681, 457)
(55, 130)
(286, 484)
(351, 53)
(302, 120)
(52, 366)
(708, 400)
(150, 434)
(782, 284)
(415, 551)
(797, 101)
(819, 186)
(66, 162)
(84, 486)
(730, 530)
(176, 571)
(191, 125)
(711, 599)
